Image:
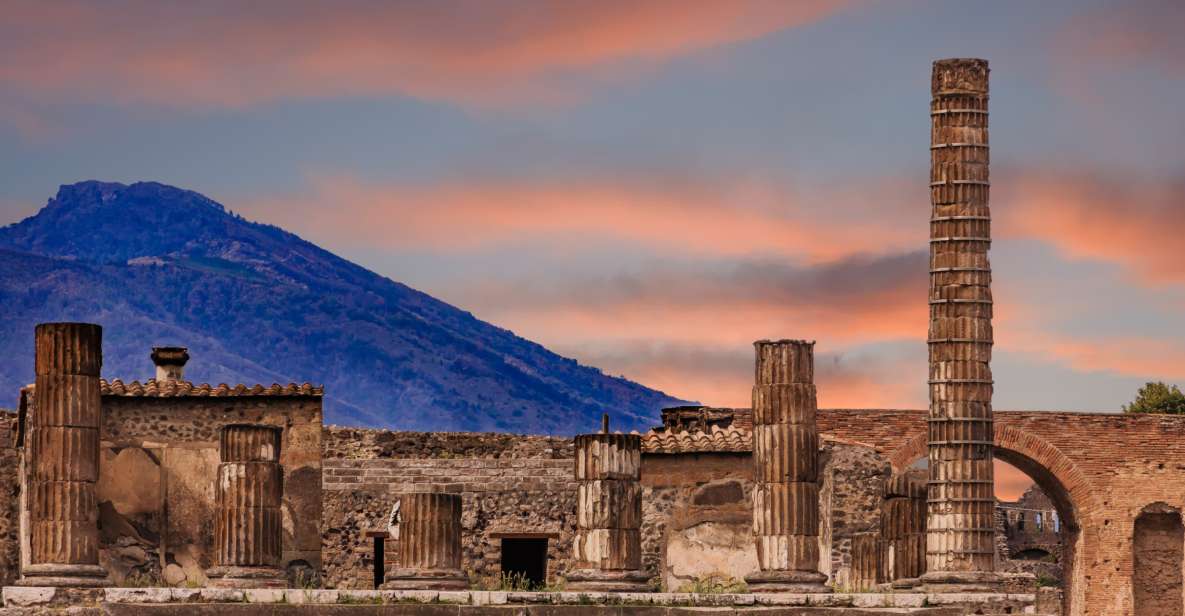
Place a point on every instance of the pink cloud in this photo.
(1134, 222)
(474, 53)
(685, 216)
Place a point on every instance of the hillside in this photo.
(158, 265)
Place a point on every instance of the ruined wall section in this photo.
(158, 459)
(852, 479)
(500, 496)
(9, 490)
(697, 517)
(367, 444)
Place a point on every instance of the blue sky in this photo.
(651, 186)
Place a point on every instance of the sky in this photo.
(651, 185)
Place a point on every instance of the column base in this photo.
(960, 581)
(597, 580)
(58, 575)
(426, 579)
(247, 577)
(787, 581)
(905, 583)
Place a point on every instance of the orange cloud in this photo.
(470, 52)
(684, 216)
(1124, 355)
(1134, 222)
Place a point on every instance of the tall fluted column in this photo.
(429, 533)
(63, 458)
(785, 468)
(960, 547)
(247, 493)
(903, 529)
(607, 547)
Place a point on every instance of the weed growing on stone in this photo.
(714, 585)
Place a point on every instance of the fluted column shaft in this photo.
(607, 545)
(248, 491)
(247, 529)
(63, 456)
(903, 528)
(430, 531)
(960, 529)
(785, 467)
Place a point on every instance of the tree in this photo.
(1157, 398)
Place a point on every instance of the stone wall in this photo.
(501, 496)
(850, 498)
(697, 517)
(365, 444)
(158, 459)
(9, 490)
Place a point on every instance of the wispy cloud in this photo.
(682, 215)
(1135, 222)
(469, 52)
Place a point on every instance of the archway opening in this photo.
(1158, 546)
(1036, 522)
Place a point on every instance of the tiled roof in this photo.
(171, 389)
(715, 439)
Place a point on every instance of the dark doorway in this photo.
(1158, 548)
(380, 558)
(525, 558)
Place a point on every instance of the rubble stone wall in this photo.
(501, 496)
(850, 498)
(366, 444)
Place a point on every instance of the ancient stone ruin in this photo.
(125, 494)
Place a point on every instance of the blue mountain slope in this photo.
(160, 265)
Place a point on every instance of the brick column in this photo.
(785, 469)
(959, 548)
(247, 493)
(607, 547)
(62, 458)
(429, 532)
(903, 528)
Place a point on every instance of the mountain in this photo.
(158, 265)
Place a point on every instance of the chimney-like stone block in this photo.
(170, 363)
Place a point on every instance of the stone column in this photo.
(428, 526)
(903, 528)
(959, 547)
(247, 493)
(607, 547)
(62, 458)
(785, 468)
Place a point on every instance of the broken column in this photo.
(428, 527)
(63, 458)
(607, 547)
(785, 466)
(960, 548)
(247, 492)
(903, 530)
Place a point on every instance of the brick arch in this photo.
(1057, 475)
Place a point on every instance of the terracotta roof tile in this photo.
(716, 439)
(176, 389)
